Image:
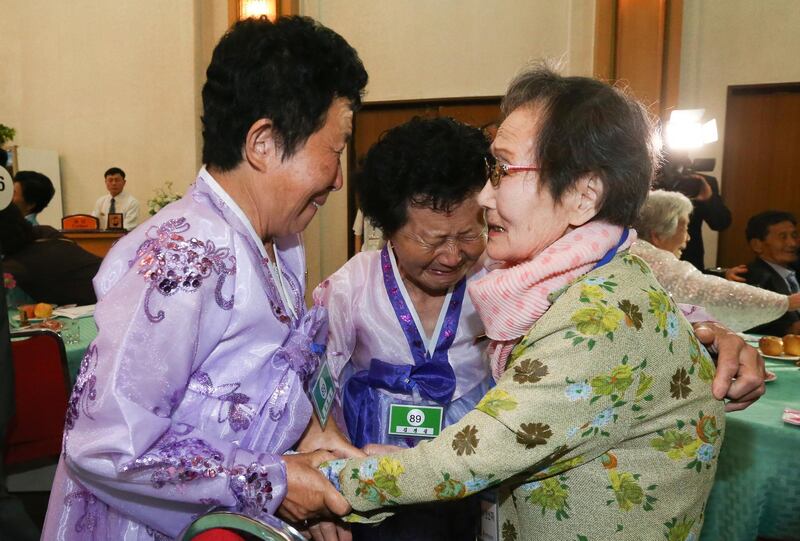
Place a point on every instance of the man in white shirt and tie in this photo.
(116, 201)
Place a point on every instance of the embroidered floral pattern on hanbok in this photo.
(634, 260)
(662, 307)
(252, 487)
(377, 480)
(680, 530)
(599, 318)
(84, 390)
(533, 434)
(529, 371)
(509, 532)
(612, 386)
(496, 400)
(175, 461)
(550, 494)
(681, 442)
(87, 522)
(233, 405)
(169, 262)
(466, 441)
(633, 314)
(627, 490)
(701, 360)
(680, 386)
(450, 488)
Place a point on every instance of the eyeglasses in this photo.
(495, 172)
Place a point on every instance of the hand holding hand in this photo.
(331, 438)
(740, 368)
(308, 493)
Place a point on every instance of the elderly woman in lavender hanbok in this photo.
(194, 388)
(402, 330)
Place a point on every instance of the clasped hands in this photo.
(312, 503)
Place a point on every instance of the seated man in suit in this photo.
(773, 237)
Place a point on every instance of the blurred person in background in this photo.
(33, 191)
(662, 226)
(116, 201)
(773, 237)
(45, 265)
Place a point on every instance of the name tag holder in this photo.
(415, 421)
(322, 391)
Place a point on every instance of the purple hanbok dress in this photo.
(194, 387)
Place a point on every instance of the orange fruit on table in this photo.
(43, 310)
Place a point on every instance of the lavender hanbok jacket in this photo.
(194, 386)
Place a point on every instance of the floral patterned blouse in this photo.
(602, 427)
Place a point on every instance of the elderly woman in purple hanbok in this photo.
(194, 388)
(402, 330)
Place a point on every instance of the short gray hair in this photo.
(660, 214)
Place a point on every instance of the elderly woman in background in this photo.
(602, 423)
(194, 388)
(402, 329)
(662, 228)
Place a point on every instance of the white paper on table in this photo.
(75, 312)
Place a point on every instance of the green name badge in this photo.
(417, 421)
(323, 392)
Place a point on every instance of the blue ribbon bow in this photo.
(435, 381)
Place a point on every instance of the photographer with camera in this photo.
(680, 174)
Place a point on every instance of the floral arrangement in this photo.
(164, 196)
(8, 280)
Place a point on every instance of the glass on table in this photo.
(70, 331)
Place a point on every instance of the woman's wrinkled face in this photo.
(301, 184)
(522, 217)
(676, 242)
(435, 249)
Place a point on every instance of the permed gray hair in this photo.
(660, 214)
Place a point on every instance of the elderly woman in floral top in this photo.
(602, 424)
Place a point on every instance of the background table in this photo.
(757, 489)
(75, 352)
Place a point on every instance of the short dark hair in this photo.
(588, 126)
(114, 171)
(289, 71)
(434, 163)
(37, 190)
(758, 226)
(15, 231)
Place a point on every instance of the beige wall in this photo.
(117, 83)
(416, 49)
(731, 42)
(108, 83)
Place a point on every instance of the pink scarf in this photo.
(510, 300)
